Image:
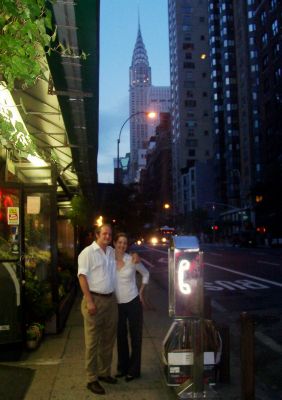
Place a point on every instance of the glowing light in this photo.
(36, 161)
(151, 115)
(154, 240)
(99, 221)
(183, 266)
(203, 56)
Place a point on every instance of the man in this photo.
(96, 274)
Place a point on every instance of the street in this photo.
(239, 280)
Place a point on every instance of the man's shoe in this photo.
(95, 387)
(108, 379)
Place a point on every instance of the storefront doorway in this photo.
(28, 253)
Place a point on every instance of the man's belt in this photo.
(102, 294)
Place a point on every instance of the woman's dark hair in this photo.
(120, 234)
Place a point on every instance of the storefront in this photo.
(37, 261)
(48, 154)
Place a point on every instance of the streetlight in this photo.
(151, 115)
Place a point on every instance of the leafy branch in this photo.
(26, 36)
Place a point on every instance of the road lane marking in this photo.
(244, 274)
(157, 250)
(218, 306)
(147, 262)
(268, 263)
(162, 260)
(268, 341)
(239, 284)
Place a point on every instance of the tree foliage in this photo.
(80, 213)
(23, 40)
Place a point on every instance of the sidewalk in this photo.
(58, 364)
(55, 371)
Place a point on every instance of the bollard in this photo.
(247, 357)
(224, 365)
(207, 307)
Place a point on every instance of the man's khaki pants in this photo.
(100, 335)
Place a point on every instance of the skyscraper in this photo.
(143, 97)
(246, 54)
(190, 95)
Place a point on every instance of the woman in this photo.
(130, 302)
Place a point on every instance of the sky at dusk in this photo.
(118, 32)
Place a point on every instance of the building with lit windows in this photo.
(246, 65)
(190, 97)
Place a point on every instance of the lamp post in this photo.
(150, 115)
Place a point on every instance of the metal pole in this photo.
(247, 357)
(118, 142)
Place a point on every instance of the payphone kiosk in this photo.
(187, 364)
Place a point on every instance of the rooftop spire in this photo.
(139, 52)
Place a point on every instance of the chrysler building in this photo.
(143, 97)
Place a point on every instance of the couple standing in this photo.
(107, 276)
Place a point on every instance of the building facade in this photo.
(190, 97)
(246, 65)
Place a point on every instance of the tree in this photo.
(24, 40)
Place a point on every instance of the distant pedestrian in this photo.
(97, 278)
(130, 312)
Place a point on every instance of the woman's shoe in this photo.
(120, 375)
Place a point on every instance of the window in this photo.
(276, 49)
(273, 4)
(188, 46)
(186, 28)
(265, 62)
(252, 27)
(189, 84)
(189, 65)
(264, 39)
(263, 17)
(191, 143)
(191, 152)
(190, 123)
(274, 27)
(278, 74)
(190, 103)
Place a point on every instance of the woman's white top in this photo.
(126, 287)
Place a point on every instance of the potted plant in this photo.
(34, 334)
